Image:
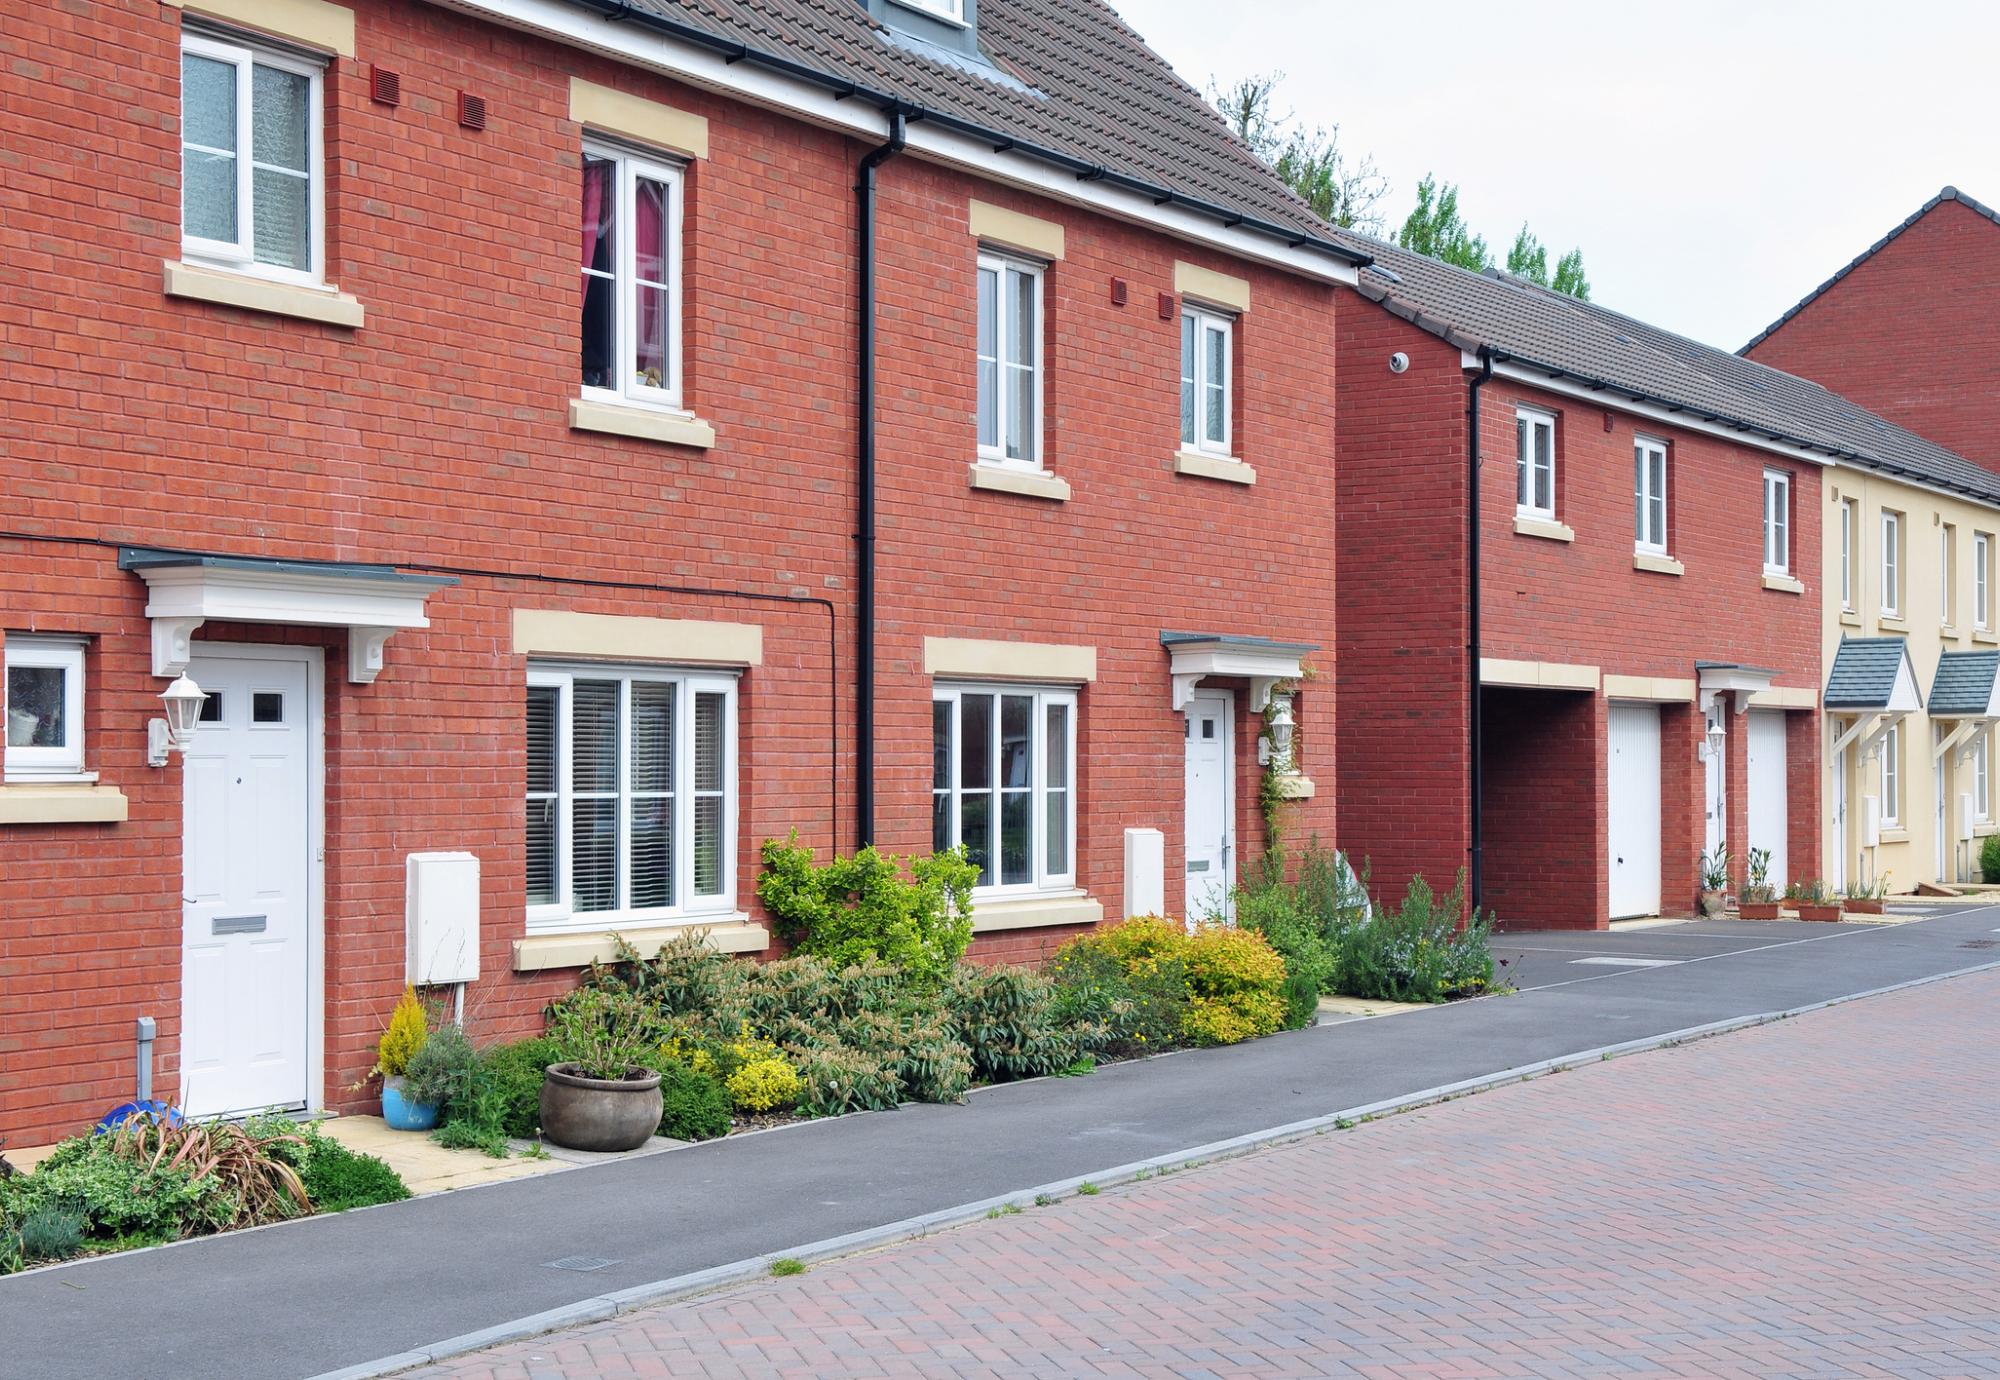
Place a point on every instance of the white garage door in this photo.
(1632, 782)
(1766, 766)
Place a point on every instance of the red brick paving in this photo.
(1811, 1198)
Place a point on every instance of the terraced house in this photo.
(541, 449)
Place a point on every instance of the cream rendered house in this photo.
(1912, 644)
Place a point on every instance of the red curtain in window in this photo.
(596, 187)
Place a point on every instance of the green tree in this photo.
(1436, 230)
(1529, 258)
(1308, 158)
(1569, 276)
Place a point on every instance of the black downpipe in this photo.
(1476, 732)
(864, 479)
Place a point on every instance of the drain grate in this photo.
(581, 1263)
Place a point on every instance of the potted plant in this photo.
(1759, 901)
(603, 1092)
(402, 1040)
(1815, 901)
(1866, 898)
(1715, 882)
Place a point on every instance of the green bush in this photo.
(515, 1072)
(1989, 859)
(1301, 1000)
(1119, 1008)
(840, 1078)
(604, 1032)
(1008, 1020)
(338, 1178)
(1417, 952)
(862, 909)
(117, 1198)
(693, 1105)
(441, 1073)
(1236, 984)
(49, 1234)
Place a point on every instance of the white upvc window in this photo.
(631, 322)
(253, 193)
(1003, 783)
(1010, 362)
(1947, 575)
(1848, 530)
(1777, 522)
(1892, 775)
(1982, 581)
(1206, 365)
(1649, 496)
(1981, 802)
(1535, 463)
(1892, 564)
(44, 703)
(953, 10)
(631, 795)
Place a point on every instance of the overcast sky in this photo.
(1714, 161)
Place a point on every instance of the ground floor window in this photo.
(1892, 775)
(1981, 808)
(1003, 783)
(44, 703)
(631, 795)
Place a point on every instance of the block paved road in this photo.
(1808, 1198)
(309, 1297)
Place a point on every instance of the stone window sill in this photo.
(1292, 786)
(1529, 526)
(328, 305)
(1849, 618)
(60, 803)
(1783, 584)
(1894, 622)
(1986, 636)
(1027, 483)
(1896, 835)
(1657, 563)
(1031, 912)
(643, 423)
(1205, 466)
(729, 934)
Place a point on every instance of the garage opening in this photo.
(1541, 786)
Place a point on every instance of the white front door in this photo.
(1940, 770)
(249, 845)
(1632, 780)
(1765, 765)
(1838, 873)
(1211, 860)
(1715, 809)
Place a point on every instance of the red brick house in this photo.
(1911, 328)
(560, 478)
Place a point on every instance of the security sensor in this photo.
(1398, 362)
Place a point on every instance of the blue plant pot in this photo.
(401, 1113)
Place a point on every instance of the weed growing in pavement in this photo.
(1044, 1200)
(1343, 1124)
(1088, 1189)
(787, 1265)
(1142, 1176)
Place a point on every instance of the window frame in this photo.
(561, 916)
(240, 255)
(1644, 450)
(950, 11)
(1044, 881)
(65, 654)
(998, 263)
(1778, 534)
(1892, 777)
(1948, 575)
(1532, 418)
(1207, 319)
(629, 165)
(1982, 581)
(1849, 528)
(1982, 801)
(1891, 528)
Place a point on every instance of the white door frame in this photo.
(314, 659)
(1227, 700)
(1837, 871)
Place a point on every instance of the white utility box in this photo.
(1145, 872)
(442, 910)
(1871, 821)
(1965, 814)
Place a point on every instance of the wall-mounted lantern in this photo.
(182, 701)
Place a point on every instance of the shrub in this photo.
(337, 1178)
(863, 910)
(1989, 859)
(1235, 983)
(1279, 913)
(515, 1074)
(49, 1233)
(934, 1066)
(603, 1032)
(764, 1084)
(250, 1167)
(1301, 1000)
(405, 1034)
(442, 1071)
(1007, 1019)
(1417, 952)
(1115, 1009)
(840, 1079)
(118, 1198)
(693, 1106)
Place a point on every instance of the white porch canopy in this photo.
(187, 589)
(1196, 656)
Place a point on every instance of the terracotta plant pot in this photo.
(1807, 912)
(603, 1114)
(1758, 910)
(1865, 907)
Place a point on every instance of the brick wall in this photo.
(1913, 333)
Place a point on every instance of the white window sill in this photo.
(1003, 479)
(730, 934)
(1895, 833)
(1033, 912)
(1205, 466)
(1850, 618)
(1894, 622)
(61, 803)
(1657, 562)
(324, 304)
(1784, 584)
(644, 423)
(1529, 525)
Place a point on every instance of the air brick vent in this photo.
(384, 87)
(471, 110)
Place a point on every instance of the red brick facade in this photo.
(1911, 332)
(436, 438)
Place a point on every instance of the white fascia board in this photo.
(1903, 698)
(1889, 476)
(804, 100)
(1609, 398)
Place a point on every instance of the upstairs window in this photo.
(1003, 783)
(1010, 362)
(1982, 581)
(1850, 526)
(1777, 522)
(252, 194)
(1948, 576)
(1535, 463)
(954, 10)
(44, 703)
(631, 278)
(1892, 564)
(1649, 496)
(1205, 380)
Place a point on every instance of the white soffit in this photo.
(1194, 656)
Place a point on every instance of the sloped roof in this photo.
(1948, 194)
(1069, 79)
(1964, 683)
(1864, 673)
(1550, 332)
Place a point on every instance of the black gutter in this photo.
(1475, 745)
(864, 482)
(734, 51)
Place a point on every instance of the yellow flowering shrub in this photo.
(754, 1070)
(407, 1030)
(763, 1084)
(1149, 977)
(1236, 985)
